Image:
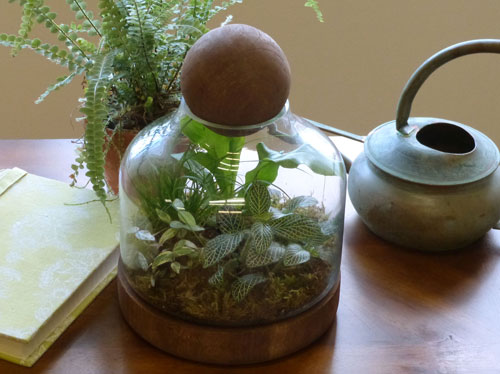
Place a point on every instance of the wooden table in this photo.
(400, 311)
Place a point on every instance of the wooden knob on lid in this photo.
(235, 75)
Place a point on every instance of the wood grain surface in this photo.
(400, 311)
(225, 345)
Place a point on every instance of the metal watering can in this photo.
(427, 183)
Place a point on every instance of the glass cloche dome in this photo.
(232, 225)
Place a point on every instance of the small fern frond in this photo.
(62, 81)
(51, 52)
(96, 112)
(313, 4)
(27, 21)
(113, 16)
(89, 24)
(141, 31)
(219, 8)
(44, 15)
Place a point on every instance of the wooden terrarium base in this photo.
(225, 345)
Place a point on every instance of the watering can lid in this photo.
(438, 152)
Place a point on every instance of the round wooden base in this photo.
(225, 345)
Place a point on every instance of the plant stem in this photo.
(87, 17)
(66, 36)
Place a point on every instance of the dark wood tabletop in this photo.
(400, 311)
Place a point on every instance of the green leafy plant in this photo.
(130, 56)
(258, 237)
(213, 243)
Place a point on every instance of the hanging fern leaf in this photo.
(295, 227)
(243, 285)
(27, 21)
(219, 247)
(295, 255)
(313, 4)
(258, 199)
(96, 113)
(63, 81)
(262, 236)
(273, 254)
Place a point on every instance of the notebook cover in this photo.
(55, 257)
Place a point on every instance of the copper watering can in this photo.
(427, 183)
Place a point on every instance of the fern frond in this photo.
(313, 4)
(219, 8)
(141, 31)
(27, 21)
(63, 81)
(89, 24)
(113, 16)
(51, 52)
(96, 113)
(44, 15)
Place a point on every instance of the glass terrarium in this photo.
(232, 226)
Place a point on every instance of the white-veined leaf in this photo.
(229, 221)
(257, 199)
(262, 236)
(295, 227)
(219, 247)
(273, 254)
(243, 285)
(295, 255)
(217, 278)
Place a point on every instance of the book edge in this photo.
(66, 322)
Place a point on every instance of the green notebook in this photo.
(54, 260)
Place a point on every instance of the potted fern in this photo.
(129, 56)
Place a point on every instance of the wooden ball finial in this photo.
(235, 75)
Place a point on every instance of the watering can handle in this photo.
(428, 67)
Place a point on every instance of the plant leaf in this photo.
(165, 217)
(162, 258)
(295, 227)
(265, 170)
(186, 218)
(145, 235)
(178, 205)
(180, 225)
(143, 262)
(219, 247)
(262, 236)
(168, 234)
(229, 221)
(273, 254)
(299, 202)
(257, 199)
(295, 255)
(217, 279)
(305, 154)
(243, 285)
(176, 267)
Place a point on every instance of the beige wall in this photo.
(347, 72)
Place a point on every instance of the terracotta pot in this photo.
(119, 143)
